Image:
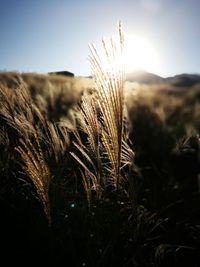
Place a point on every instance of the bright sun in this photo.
(140, 54)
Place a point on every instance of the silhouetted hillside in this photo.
(184, 79)
(144, 77)
(63, 73)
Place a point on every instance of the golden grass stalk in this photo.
(88, 155)
(102, 119)
(16, 108)
(36, 168)
(57, 140)
(19, 112)
(109, 80)
(92, 128)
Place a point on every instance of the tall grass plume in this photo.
(103, 116)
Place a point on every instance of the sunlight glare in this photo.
(140, 54)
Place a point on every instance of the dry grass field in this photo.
(98, 177)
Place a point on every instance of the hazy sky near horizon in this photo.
(53, 35)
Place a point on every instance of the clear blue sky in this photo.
(51, 35)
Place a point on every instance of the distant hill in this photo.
(63, 73)
(144, 77)
(184, 79)
(150, 78)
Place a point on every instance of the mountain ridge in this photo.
(183, 79)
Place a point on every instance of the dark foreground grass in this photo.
(153, 220)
